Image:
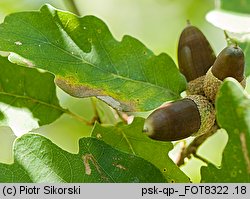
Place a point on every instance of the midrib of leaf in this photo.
(107, 55)
(35, 101)
(70, 166)
(83, 59)
(127, 140)
(75, 116)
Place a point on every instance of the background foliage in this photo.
(155, 23)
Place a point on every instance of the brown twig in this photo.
(192, 148)
(96, 114)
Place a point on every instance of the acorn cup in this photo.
(229, 63)
(195, 57)
(191, 116)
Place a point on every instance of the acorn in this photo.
(195, 57)
(229, 63)
(190, 116)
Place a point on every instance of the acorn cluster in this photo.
(194, 115)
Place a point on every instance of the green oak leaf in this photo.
(88, 61)
(28, 88)
(233, 114)
(39, 160)
(246, 49)
(130, 139)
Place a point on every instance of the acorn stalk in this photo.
(191, 116)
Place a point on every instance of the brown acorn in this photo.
(229, 63)
(195, 57)
(191, 116)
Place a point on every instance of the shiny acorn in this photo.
(191, 116)
(195, 57)
(229, 63)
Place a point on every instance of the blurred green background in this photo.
(156, 23)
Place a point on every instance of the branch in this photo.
(192, 148)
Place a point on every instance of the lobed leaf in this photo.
(28, 88)
(233, 114)
(37, 159)
(130, 139)
(88, 61)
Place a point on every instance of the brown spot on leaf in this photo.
(86, 159)
(72, 86)
(119, 166)
(98, 136)
(89, 158)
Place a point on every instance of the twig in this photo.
(192, 148)
(200, 158)
(71, 5)
(79, 118)
(96, 116)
